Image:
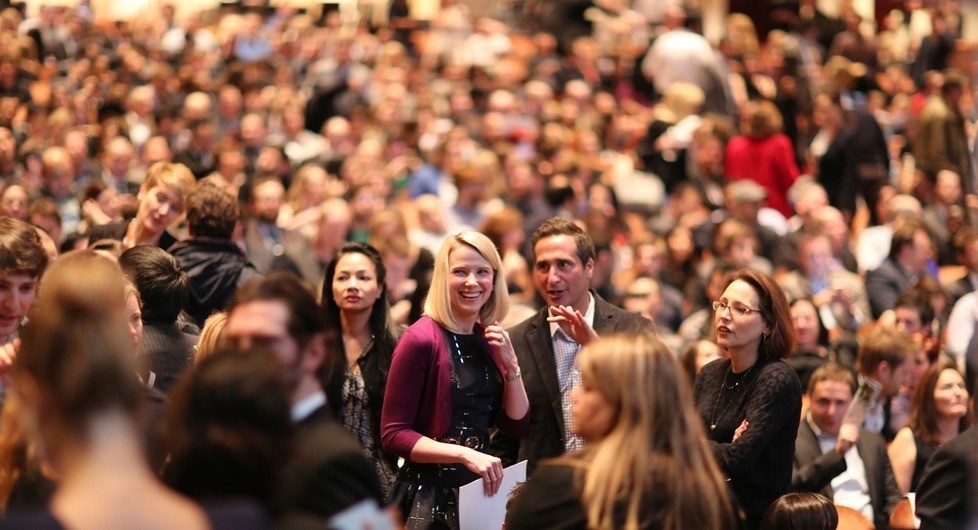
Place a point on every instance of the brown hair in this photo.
(780, 342)
(923, 407)
(558, 226)
(21, 251)
(657, 445)
(77, 350)
(883, 344)
(764, 120)
(832, 372)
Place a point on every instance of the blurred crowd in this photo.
(835, 154)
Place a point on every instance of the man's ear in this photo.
(883, 371)
(315, 354)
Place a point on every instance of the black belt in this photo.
(472, 442)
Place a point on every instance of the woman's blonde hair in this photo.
(438, 304)
(170, 175)
(212, 336)
(298, 195)
(656, 447)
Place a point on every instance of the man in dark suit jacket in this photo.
(164, 351)
(272, 248)
(327, 471)
(947, 497)
(910, 250)
(824, 451)
(562, 269)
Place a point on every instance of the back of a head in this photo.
(801, 511)
(656, 443)
(77, 352)
(883, 344)
(229, 426)
(162, 285)
(212, 212)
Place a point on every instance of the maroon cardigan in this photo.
(418, 400)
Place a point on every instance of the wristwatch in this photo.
(514, 377)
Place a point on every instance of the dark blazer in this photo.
(947, 498)
(535, 352)
(166, 352)
(884, 285)
(327, 471)
(298, 255)
(814, 471)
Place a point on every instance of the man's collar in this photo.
(819, 433)
(307, 405)
(588, 315)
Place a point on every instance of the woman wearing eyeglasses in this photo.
(751, 401)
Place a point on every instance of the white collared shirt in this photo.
(851, 487)
(588, 316)
(308, 405)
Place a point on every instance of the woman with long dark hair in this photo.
(357, 314)
(938, 412)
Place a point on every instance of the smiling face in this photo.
(16, 296)
(559, 274)
(355, 287)
(950, 395)
(738, 332)
(159, 206)
(470, 282)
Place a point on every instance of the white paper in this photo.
(476, 511)
(912, 496)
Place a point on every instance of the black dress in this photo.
(924, 452)
(428, 493)
(759, 463)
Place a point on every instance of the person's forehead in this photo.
(554, 247)
(258, 317)
(16, 278)
(832, 389)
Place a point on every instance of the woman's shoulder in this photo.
(905, 439)
(778, 372)
(424, 332)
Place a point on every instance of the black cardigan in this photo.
(759, 463)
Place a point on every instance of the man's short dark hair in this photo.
(917, 300)
(211, 212)
(161, 283)
(903, 235)
(21, 251)
(558, 226)
(305, 316)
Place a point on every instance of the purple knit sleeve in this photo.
(402, 400)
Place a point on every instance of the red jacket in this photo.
(769, 162)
